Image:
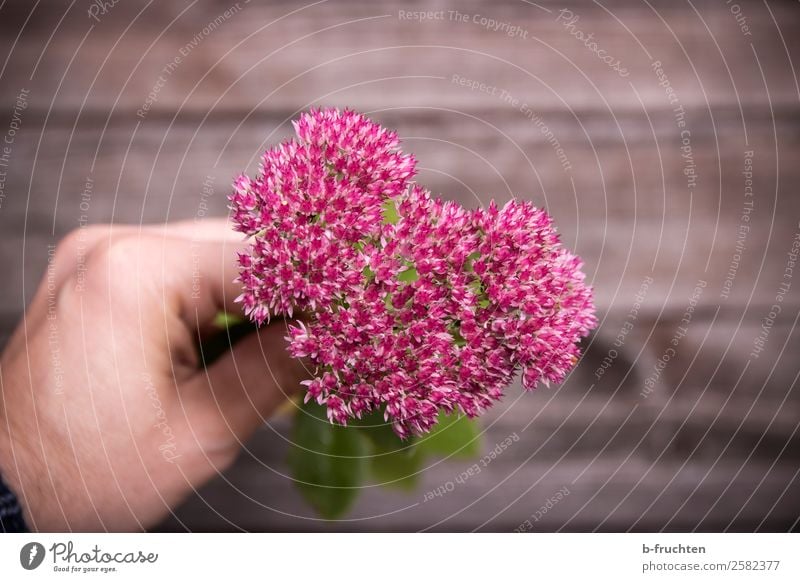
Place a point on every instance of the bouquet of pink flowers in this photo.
(412, 307)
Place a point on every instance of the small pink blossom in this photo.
(413, 305)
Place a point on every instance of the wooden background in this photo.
(714, 446)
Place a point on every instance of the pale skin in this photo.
(108, 419)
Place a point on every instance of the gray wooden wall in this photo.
(713, 445)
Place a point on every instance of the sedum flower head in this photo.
(411, 304)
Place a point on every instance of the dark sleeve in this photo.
(11, 519)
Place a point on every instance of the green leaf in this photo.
(327, 461)
(471, 259)
(453, 436)
(390, 215)
(394, 462)
(484, 303)
(378, 431)
(225, 320)
(458, 339)
(455, 330)
(408, 276)
(399, 469)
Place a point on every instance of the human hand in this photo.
(108, 417)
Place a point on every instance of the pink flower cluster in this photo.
(411, 305)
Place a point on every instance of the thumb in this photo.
(240, 390)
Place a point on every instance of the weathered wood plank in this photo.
(612, 494)
(262, 56)
(626, 216)
(703, 439)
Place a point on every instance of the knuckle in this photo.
(114, 265)
(71, 253)
(66, 250)
(65, 276)
(79, 239)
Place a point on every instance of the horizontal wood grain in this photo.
(611, 494)
(624, 206)
(263, 56)
(713, 445)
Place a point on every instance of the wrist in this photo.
(25, 475)
(11, 519)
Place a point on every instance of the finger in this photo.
(202, 278)
(68, 265)
(168, 280)
(212, 276)
(232, 397)
(209, 229)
